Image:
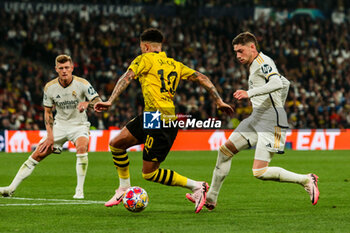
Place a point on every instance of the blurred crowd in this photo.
(290, 4)
(313, 54)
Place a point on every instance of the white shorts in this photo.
(63, 133)
(265, 134)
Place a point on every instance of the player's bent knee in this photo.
(239, 142)
(82, 149)
(124, 140)
(259, 173)
(117, 142)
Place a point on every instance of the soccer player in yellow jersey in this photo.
(159, 77)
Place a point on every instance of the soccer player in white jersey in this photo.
(71, 96)
(265, 128)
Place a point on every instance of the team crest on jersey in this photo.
(91, 90)
(74, 94)
(266, 69)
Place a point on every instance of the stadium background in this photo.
(309, 40)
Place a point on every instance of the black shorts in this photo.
(158, 142)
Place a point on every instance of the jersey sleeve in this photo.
(47, 100)
(89, 91)
(272, 85)
(186, 71)
(268, 70)
(140, 65)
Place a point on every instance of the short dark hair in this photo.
(152, 35)
(245, 38)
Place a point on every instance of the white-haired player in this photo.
(71, 96)
(265, 128)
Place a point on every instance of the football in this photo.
(135, 199)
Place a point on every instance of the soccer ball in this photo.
(135, 199)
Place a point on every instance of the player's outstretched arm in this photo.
(121, 85)
(204, 81)
(274, 83)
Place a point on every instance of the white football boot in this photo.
(79, 194)
(6, 192)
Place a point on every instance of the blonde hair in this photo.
(63, 58)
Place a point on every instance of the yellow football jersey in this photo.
(159, 77)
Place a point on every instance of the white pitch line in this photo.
(45, 199)
(57, 203)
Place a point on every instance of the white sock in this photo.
(282, 175)
(193, 185)
(124, 183)
(24, 171)
(222, 168)
(81, 168)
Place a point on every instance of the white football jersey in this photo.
(268, 106)
(66, 99)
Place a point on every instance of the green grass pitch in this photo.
(245, 204)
